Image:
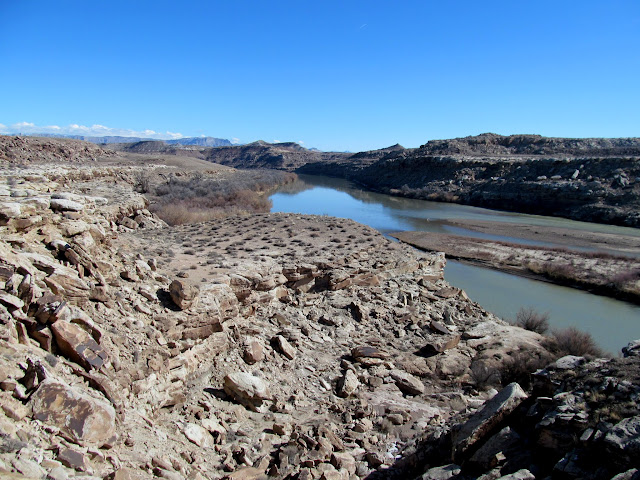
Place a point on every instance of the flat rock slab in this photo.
(65, 205)
(483, 421)
(81, 418)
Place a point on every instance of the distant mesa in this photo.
(197, 141)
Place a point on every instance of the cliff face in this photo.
(596, 180)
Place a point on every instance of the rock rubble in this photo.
(273, 345)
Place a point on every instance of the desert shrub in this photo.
(142, 182)
(519, 367)
(201, 198)
(484, 376)
(530, 319)
(572, 341)
(559, 271)
(626, 277)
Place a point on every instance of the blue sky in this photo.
(348, 75)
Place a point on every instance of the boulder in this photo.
(78, 345)
(183, 294)
(80, 417)
(632, 349)
(247, 389)
(487, 455)
(464, 436)
(73, 289)
(369, 356)
(284, 347)
(64, 205)
(253, 351)
(348, 384)
(198, 435)
(444, 472)
(441, 344)
(623, 440)
(407, 383)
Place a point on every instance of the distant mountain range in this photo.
(199, 141)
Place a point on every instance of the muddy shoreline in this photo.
(627, 244)
(606, 274)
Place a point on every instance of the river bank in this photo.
(601, 273)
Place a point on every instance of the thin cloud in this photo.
(89, 131)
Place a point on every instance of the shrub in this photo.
(484, 376)
(519, 367)
(200, 198)
(572, 341)
(530, 319)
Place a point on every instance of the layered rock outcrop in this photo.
(274, 345)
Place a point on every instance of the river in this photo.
(612, 323)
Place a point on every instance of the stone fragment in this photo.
(522, 474)
(487, 455)
(183, 294)
(73, 459)
(247, 473)
(439, 328)
(347, 384)
(77, 345)
(73, 289)
(344, 460)
(198, 435)
(247, 389)
(444, 472)
(284, 347)
(447, 292)
(10, 301)
(79, 417)
(215, 428)
(368, 355)
(126, 473)
(623, 440)
(465, 435)
(632, 349)
(64, 205)
(252, 351)
(407, 383)
(441, 344)
(568, 362)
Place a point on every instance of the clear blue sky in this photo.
(348, 75)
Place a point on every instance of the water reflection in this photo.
(611, 322)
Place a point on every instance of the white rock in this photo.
(65, 205)
(198, 435)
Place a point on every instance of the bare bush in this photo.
(142, 182)
(530, 319)
(572, 341)
(200, 198)
(519, 367)
(484, 376)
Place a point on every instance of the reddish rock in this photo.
(77, 345)
(81, 418)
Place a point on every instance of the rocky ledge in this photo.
(263, 346)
